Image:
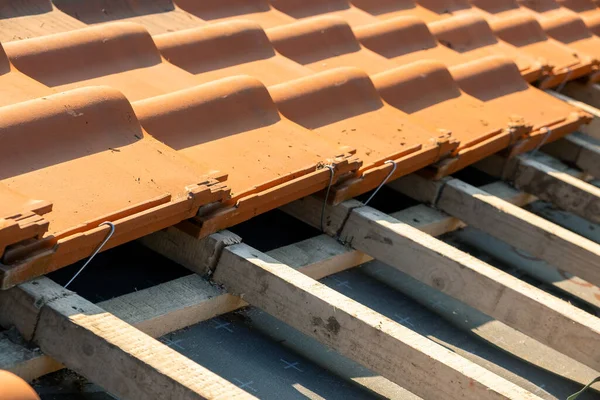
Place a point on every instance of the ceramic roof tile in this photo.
(15, 86)
(427, 91)
(259, 11)
(228, 48)
(86, 152)
(334, 45)
(587, 10)
(405, 40)
(309, 8)
(472, 36)
(234, 125)
(525, 32)
(121, 54)
(23, 19)
(386, 9)
(157, 16)
(343, 106)
(326, 42)
(551, 118)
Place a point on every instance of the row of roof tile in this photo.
(223, 121)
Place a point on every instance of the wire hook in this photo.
(331, 173)
(384, 181)
(110, 233)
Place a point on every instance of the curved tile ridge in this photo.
(385, 9)
(448, 7)
(525, 32)
(110, 48)
(120, 54)
(228, 48)
(259, 11)
(427, 90)
(405, 40)
(325, 42)
(497, 7)
(15, 86)
(550, 117)
(234, 125)
(343, 105)
(158, 16)
(85, 151)
(23, 19)
(309, 8)
(587, 10)
(472, 35)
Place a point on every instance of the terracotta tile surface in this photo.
(322, 43)
(587, 10)
(259, 11)
(343, 106)
(23, 19)
(326, 42)
(86, 153)
(310, 8)
(551, 118)
(188, 112)
(472, 36)
(157, 16)
(233, 125)
(524, 32)
(226, 49)
(121, 55)
(427, 91)
(15, 86)
(386, 9)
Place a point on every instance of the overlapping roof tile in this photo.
(387, 9)
(22, 19)
(206, 113)
(86, 153)
(157, 16)
(226, 49)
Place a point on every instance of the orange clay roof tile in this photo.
(234, 125)
(15, 86)
(405, 40)
(259, 11)
(472, 36)
(309, 8)
(587, 10)
(23, 19)
(524, 32)
(322, 43)
(86, 152)
(427, 91)
(157, 16)
(343, 106)
(551, 118)
(386, 9)
(120, 54)
(228, 48)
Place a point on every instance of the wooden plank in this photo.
(105, 349)
(495, 293)
(29, 364)
(517, 227)
(173, 305)
(475, 322)
(586, 98)
(378, 343)
(578, 149)
(533, 175)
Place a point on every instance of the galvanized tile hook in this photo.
(110, 233)
(384, 181)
